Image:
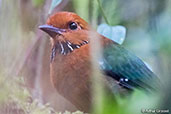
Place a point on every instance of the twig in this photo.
(38, 34)
(29, 51)
(103, 13)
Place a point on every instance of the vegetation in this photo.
(148, 36)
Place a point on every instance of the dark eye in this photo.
(73, 26)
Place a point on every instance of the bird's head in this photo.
(67, 30)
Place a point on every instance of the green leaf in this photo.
(115, 33)
(54, 4)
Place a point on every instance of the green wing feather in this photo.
(127, 69)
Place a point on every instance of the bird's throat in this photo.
(64, 48)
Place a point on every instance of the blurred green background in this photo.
(148, 24)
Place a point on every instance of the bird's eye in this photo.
(73, 26)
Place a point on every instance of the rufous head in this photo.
(64, 22)
(67, 30)
(67, 20)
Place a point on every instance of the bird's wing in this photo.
(126, 68)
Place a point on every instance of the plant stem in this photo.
(103, 13)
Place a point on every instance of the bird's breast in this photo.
(70, 75)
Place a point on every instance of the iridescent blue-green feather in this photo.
(127, 69)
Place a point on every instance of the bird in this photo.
(71, 65)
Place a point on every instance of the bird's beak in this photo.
(52, 31)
